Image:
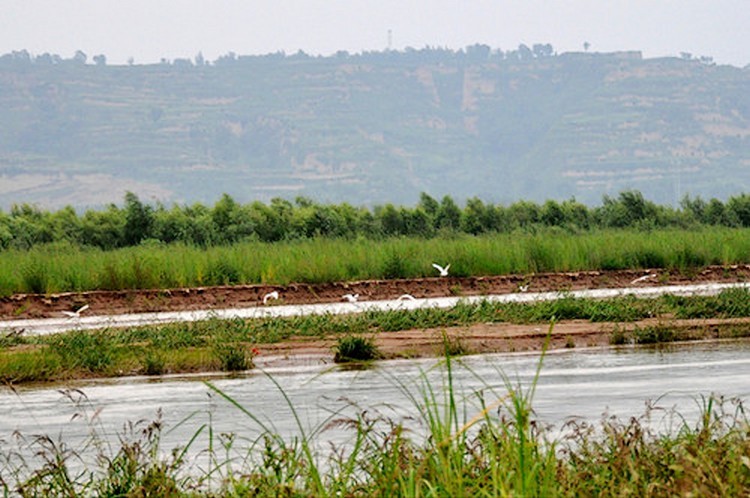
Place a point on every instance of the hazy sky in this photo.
(148, 30)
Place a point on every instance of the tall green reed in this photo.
(60, 267)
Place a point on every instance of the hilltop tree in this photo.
(525, 53)
(542, 50)
(79, 57)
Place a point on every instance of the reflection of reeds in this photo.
(485, 443)
(60, 267)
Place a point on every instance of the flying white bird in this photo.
(643, 278)
(352, 298)
(76, 313)
(406, 297)
(443, 271)
(270, 295)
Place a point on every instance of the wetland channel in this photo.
(582, 383)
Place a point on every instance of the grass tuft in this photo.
(353, 348)
(233, 356)
(91, 351)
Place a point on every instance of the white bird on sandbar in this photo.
(270, 295)
(443, 271)
(405, 297)
(76, 313)
(352, 298)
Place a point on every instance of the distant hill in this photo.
(373, 128)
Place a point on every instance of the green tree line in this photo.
(228, 221)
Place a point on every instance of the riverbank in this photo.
(214, 346)
(28, 306)
(507, 338)
(235, 344)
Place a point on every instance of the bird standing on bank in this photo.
(352, 298)
(270, 295)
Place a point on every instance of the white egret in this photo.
(352, 298)
(443, 271)
(643, 278)
(76, 313)
(270, 295)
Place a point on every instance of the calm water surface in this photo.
(573, 383)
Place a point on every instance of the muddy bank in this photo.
(505, 337)
(137, 301)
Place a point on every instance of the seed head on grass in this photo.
(351, 348)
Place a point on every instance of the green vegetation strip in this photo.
(229, 345)
(229, 222)
(483, 444)
(63, 267)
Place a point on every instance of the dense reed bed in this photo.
(485, 443)
(60, 267)
(231, 345)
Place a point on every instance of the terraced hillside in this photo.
(372, 128)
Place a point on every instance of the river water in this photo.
(572, 383)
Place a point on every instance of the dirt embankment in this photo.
(241, 296)
(478, 338)
(135, 301)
